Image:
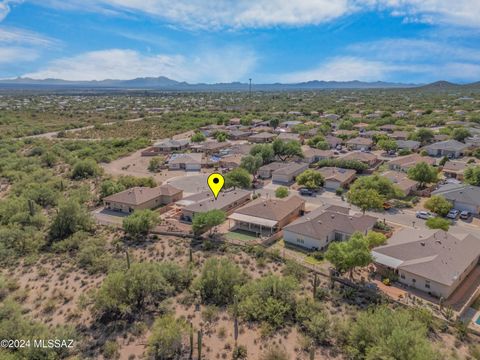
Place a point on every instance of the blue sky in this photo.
(415, 41)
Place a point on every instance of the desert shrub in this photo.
(166, 339)
(84, 169)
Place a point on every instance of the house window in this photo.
(427, 284)
(414, 281)
(301, 241)
(402, 275)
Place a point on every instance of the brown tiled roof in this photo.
(271, 209)
(411, 160)
(139, 195)
(320, 223)
(205, 201)
(339, 174)
(432, 254)
(360, 156)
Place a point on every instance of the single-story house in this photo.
(268, 216)
(411, 145)
(399, 135)
(234, 121)
(139, 198)
(210, 147)
(239, 134)
(367, 158)
(186, 161)
(449, 148)
(169, 145)
(360, 126)
(473, 141)
(401, 180)
(312, 155)
(333, 141)
(205, 201)
(230, 161)
(288, 173)
(262, 137)
(454, 169)
(463, 197)
(265, 171)
(360, 143)
(433, 261)
(336, 178)
(403, 163)
(319, 228)
(289, 124)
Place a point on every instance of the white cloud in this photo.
(404, 60)
(10, 35)
(5, 7)
(222, 65)
(16, 54)
(214, 14)
(341, 69)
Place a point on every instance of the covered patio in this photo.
(258, 226)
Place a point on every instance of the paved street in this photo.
(404, 218)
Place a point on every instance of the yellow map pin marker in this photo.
(215, 183)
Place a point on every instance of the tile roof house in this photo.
(433, 261)
(204, 201)
(262, 137)
(312, 155)
(403, 163)
(169, 145)
(265, 171)
(367, 158)
(186, 161)
(320, 227)
(288, 173)
(336, 178)
(463, 197)
(399, 135)
(401, 180)
(360, 143)
(450, 148)
(454, 169)
(239, 134)
(333, 141)
(289, 136)
(411, 145)
(138, 198)
(268, 216)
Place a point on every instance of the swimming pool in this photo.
(478, 321)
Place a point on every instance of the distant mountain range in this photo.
(164, 83)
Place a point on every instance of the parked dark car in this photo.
(307, 192)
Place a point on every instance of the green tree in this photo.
(139, 224)
(166, 339)
(238, 177)
(251, 163)
(274, 123)
(460, 134)
(221, 136)
(265, 151)
(84, 169)
(423, 135)
(197, 137)
(311, 179)
(382, 185)
(207, 220)
(70, 218)
(218, 280)
(144, 284)
(348, 255)
(423, 173)
(383, 333)
(387, 144)
(313, 320)
(472, 175)
(281, 192)
(285, 150)
(375, 239)
(439, 205)
(438, 223)
(155, 163)
(270, 299)
(366, 199)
